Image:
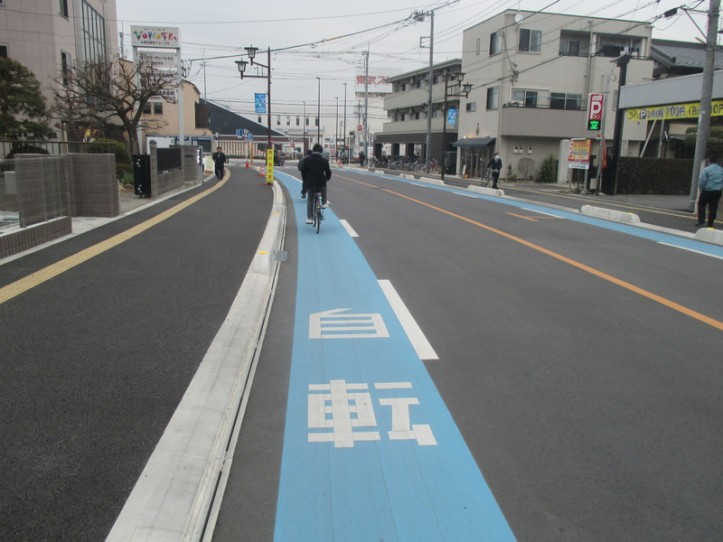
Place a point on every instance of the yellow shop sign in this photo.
(673, 112)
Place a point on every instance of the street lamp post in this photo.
(336, 129)
(465, 90)
(318, 111)
(241, 65)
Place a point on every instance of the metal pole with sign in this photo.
(595, 118)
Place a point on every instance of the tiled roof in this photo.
(683, 54)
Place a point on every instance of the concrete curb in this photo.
(610, 214)
(710, 235)
(486, 191)
(173, 496)
(438, 182)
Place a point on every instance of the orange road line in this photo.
(596, 272)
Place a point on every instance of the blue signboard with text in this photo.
(452, 117)
(260, 102)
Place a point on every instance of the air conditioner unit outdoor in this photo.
(516, 104)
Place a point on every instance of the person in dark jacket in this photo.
(316, 172)
(219, 159)
(303, 178)
(496, 165)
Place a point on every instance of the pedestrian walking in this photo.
(362, 157)
(710, 184)
(219, 159)
(496, 165)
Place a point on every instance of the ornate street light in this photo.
(465, 90)
(241, 65)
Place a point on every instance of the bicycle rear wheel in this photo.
(317, 213)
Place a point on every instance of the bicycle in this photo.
(488, 177)
(317, 211)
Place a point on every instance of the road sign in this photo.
(595, 103)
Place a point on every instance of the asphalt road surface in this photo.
(580, 361)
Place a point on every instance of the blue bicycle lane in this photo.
(370, 450)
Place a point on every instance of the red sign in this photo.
(595, 104)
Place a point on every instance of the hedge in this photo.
(654, 176)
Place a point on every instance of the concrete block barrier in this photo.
(486, 191)
(610, 214)
(710, 235)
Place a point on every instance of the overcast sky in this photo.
(326, 39)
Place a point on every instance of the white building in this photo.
(48, 35)
(531, 74)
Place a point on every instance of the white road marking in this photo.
(541, 212)
(348, 228)
(416, 336)
(690, 250)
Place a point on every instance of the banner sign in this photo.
(452, 116)
(158, 60)
(673, 112)
(260, 102)
(153, 36)
(579, 156)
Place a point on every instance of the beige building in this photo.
(531, 74)
(161, 120)
(47, 35)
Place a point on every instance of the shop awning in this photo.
(474, 142)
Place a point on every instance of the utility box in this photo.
(142, 175)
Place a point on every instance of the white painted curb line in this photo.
(610, 214)
(486, 191)
(175, 492)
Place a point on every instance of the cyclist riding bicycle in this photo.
(316, 172)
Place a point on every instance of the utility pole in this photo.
(366, 103)
(346, 148)
(622, 62)
(428, 141)
(706, 96)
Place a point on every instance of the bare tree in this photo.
(96, 93)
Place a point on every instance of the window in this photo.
(93, 33)
(63, 7)
(288, 120)
(570, 48)
(479, 46)
(3, 51)
(260, 120)
(471, 107)
(316, 121)
(526, 98)
(495, 43)
(297, 121)
(278, 120)
(64, 66)
(530, 40)
(562, 100)
(147, 108)
(493, 98)
(158, 108)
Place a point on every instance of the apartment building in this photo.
(531, 74)
(406, 108)
(49, 35)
